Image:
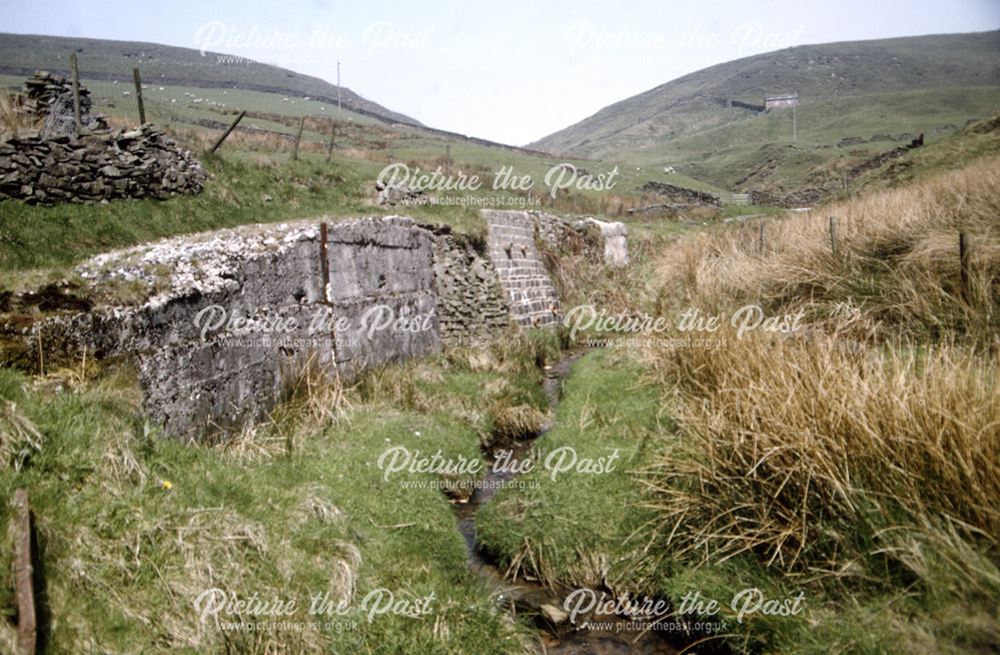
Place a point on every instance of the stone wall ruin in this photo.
(230, 320)
(54, 164)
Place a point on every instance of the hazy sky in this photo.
(512, 71)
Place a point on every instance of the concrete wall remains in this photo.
(221, 325)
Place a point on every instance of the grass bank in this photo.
(850, 461)
(133, 528)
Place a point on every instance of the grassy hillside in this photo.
(134, 528)
(895, 88)
(851, 461)
(101, 59)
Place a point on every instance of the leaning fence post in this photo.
(24, 589)
(298, 137)
(333, 135)
(229, 129)
(138, 96)
(76, 91)
(963, 260)
(833, 235)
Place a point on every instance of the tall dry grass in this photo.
(14, 117)
(810, 454)
(897, 260)
(865, 446)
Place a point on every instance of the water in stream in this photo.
(528, 597)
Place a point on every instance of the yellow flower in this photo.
(167, 484)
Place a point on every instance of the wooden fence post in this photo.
(833, 235)
(333, 135)
(761, 239)
(963, 261)
(24, 588)
(76, 91)
(229, 129)
(138, 96)
(298, 137)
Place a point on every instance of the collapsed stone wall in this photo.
(57, 165)
(681, 196)
(226, 322)
(597, 241)
(582, 237)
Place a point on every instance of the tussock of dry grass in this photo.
(897, 260)
(13, 116)
(19, 437)
(515, 423)
(800, 447)
(865, 447)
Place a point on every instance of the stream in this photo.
(527, 597)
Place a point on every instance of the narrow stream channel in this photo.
(527, 597)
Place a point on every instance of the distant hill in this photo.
(101, 59)
(851, 94)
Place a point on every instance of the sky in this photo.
(512, 71)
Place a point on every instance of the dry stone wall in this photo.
(682, 196)
(98, 167)
(55, 164)
(471, 306)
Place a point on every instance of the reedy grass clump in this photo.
(811, 455)
(859, 455)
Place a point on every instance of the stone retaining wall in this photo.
(531, 295)
(220, 325)
(471, 305)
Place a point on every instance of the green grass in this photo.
(603, 411)
(725, 155)
(296, 508)
(931, 84)
(596, 531)
(980, 139)
(107, 59)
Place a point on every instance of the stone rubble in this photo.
(55, 165)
